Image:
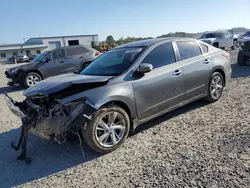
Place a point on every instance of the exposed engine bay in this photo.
(49, 118)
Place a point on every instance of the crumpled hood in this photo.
(24, 66)
(13, 69)
(58, 83)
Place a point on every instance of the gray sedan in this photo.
(123, 88)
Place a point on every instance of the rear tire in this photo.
(215, 87)
(99, 131)
(31, 79)
(241, 58)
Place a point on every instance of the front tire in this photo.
(241, 58)
(107, 129)
(215, 87)
(31, 79)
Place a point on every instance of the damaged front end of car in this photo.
(48, 119)
(49, 116)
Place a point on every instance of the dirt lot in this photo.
(199, 145)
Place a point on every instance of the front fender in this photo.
(100, 96)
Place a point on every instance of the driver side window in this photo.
(160, 56)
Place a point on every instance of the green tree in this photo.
(178, 34)
(93, 45)
(120, 41)
(110, 40)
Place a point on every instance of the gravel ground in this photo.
(199, 145)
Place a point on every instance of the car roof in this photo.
(210, 32)
(150, 42)
(74, 46)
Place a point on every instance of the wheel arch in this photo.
(121, 101)
(124, 106)
(222, 72)
(34, 70)
(120, 104)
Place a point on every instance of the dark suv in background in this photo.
(50, 63)
(244, 53)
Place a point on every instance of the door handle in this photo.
(81, 57)
(206, 61)
(62, 62)
(177, 72)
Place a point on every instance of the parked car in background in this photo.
(220, 39)
(124, 87)
(32, 56)
(22, 58)
(244, 37)
(244, 52)
(50, 63)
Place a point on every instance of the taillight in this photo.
(97, 53)
(226, 55)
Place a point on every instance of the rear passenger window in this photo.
(58, 54)
(71, 51)
(83, 50)
(188, 49)
(160, 56)
(204, 48)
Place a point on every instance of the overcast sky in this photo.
(29, 18)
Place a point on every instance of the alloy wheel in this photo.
(216, 87)
(32, 80)
(110, 129)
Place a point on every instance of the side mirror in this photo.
(144, 68)
(47, 59)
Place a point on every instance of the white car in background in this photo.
(220, 39)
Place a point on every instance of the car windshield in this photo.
(41, 56)
(114, 62)
(247, 33)
(208, 35)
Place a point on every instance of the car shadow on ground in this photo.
(169, 115)
(10, 89)
(240, 71)
(47, 158)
